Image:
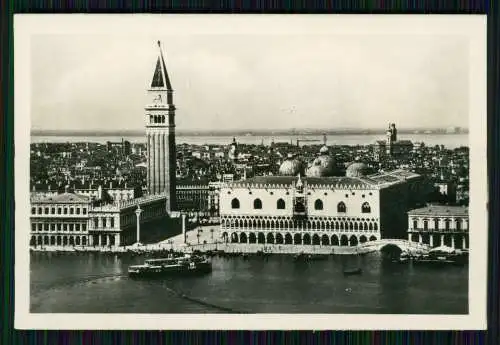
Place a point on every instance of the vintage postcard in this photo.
(250, 172)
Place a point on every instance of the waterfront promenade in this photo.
(207, 238)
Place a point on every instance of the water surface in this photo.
(97, 283)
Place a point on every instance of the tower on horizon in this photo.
(160, 134)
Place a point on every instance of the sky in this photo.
(90, 81)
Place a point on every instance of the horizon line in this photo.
(250, 130)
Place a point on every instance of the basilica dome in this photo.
(291, 166)
(357, 169)
(323, 165)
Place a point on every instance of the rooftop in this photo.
(375, 180)
(68, 198)
(440, 210)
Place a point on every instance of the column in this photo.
(90, 240)
(117, 240)
(431, 240)
(464, 243)
(419, 238)
(441, 242)
(100, 222)
(453, 241)
(409, 237)
(183, 218)
(138, 214)
(99, 240)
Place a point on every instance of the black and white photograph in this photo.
(236, 172)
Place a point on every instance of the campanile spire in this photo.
(160, 134)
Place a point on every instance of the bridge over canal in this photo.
(403, 245)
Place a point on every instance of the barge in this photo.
(171, 266)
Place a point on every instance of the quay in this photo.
(229, 248)
(205, 239)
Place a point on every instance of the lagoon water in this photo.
(448, 140)
(98, 283)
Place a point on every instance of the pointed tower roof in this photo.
(160, 76)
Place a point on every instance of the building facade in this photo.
(391, 147)
(60, 220)
(336, 211)
(160, 135)
(192, 197)
(439, 225)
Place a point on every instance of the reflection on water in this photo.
(96, 283)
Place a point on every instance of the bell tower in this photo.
(160, 134)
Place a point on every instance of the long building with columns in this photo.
(438, 225)
(60, 220)
(324, 210)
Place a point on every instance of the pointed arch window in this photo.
(257, 204)
(235, 203)
(318, 204)
(365, 208)
(341, 208)
(280, 204)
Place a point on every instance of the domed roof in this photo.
(323, 149)
(357, 169)
(323, 165)
(291, 166)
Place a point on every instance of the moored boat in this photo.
(353, 271)
(439, 260)
(443, 256)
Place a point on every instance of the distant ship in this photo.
(171, 266)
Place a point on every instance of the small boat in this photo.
(317, 257)
(173, 265)
(440, 260)
(300, 257)
(402, 259)
(353, 271)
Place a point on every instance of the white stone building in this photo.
(439, 225)
(60, 220)
(324, 210)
